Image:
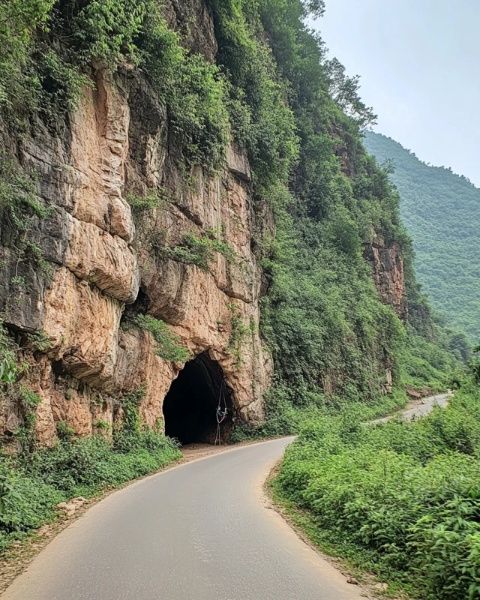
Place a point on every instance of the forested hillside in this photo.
(442, 213)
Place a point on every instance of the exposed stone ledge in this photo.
(82, 325)
(238, 164)
(103, 259)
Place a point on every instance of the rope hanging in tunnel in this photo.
(222, 412)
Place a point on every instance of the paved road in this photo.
(200, 531)
(420, 408)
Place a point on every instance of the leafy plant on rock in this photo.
(168, 344)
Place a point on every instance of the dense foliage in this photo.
(40, 75)
(401, 499)
(32, 484)
(322, 316)
(168, 345)
(34, 480)
(442, 213)
(299, 118)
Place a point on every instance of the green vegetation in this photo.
(262, 120)
(199, 250)
(239, 330)
(8, 358)
(40, 75)
(21, 211)
(323, 319)
(299, 118)
(168, 345)
(142, 203)
(31, 485)
(19, 203)
(39, 341)
(400, 499)
(19, 20)
(442, 213)
(34, 481)
(426, 364)
(475, 365)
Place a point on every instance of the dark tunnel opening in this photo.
(197, 400)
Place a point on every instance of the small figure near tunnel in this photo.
(199, 407)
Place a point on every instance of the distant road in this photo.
(419, 408)
(200, 531)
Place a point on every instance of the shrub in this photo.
(19, 20)
(199, 250)
(193, 90)
(106, 31)
(26, 502)
(262, 120)
(403, 498)
(8, 360)
(146, 202)
(239, 330)
(62, 82)
(168, 344)
(32, 485)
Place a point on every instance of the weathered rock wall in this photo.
(103, 263)
(388, 273)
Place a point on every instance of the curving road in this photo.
(417, 409)
(199, 531)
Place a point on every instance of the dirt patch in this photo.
(416, 409)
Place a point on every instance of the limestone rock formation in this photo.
(102, 261)
(388, 273)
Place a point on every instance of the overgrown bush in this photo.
(199, 250)
(402, 499)
(31, 485)
(25, 502)
(298, 116)
(8, 359)
(239, 330)
(48, 51)
(168, 344)
(19, 20)
(262, 120)
(140, 203)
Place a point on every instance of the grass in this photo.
(285, 418)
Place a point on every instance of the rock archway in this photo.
(199, 398)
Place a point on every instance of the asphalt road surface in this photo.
(200, 531)
(418, 409)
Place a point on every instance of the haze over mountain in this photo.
(430, 108)
(442, 213)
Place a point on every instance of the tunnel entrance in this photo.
(198, 406)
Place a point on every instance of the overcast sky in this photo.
(419, 62)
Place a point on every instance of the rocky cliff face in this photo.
(388, 273)
(103, 262)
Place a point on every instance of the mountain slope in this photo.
(185, 198)
(442, 214)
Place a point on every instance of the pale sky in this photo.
(419, 62)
